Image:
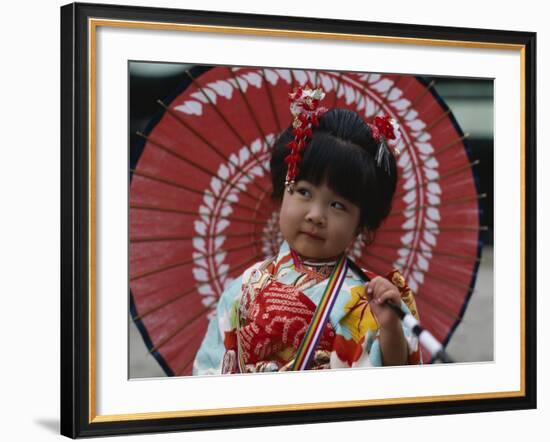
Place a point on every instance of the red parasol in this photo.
(200, 207)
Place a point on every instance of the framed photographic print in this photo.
(188, 300)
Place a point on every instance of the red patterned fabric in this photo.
(276, 320)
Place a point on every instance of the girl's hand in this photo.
(379, 290)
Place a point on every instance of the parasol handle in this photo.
(428, 340)
(424, 336)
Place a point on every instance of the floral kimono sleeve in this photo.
(211, 352)
(357, 342)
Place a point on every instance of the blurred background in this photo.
(471, 102)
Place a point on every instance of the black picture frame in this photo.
(78, 418)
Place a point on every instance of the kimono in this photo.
(262, 316)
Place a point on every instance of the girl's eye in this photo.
(338, 205)
(304, 192)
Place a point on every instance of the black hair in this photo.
(341, 153)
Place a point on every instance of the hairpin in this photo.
(305, 110)
(383, 129)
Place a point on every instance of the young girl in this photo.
(310, 307)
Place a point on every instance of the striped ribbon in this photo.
(320, 317)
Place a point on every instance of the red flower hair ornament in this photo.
(383, 129)
(305, 110)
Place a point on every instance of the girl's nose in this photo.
(316, 215)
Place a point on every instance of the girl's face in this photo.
(317, 222)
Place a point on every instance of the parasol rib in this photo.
(208, 143)
(182, 327)
(434, 252)
(413, 103)
(339, 83)
(294, 81)
(439, 151)
(437, 120)
(455, 201)
(311, 78)
(189, 189)
(430, 126)
(439, 178)
(183, 367)
(250, 110)
(272, 102)
(142, 239)
(195, 287)
(194, 164)
(445, 281)
(438, 229)
(191, 260)
(386, 95)
(446, 203)
(225, 120)
(457, 285)
(189, 212)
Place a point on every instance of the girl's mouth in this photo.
(313, 236)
